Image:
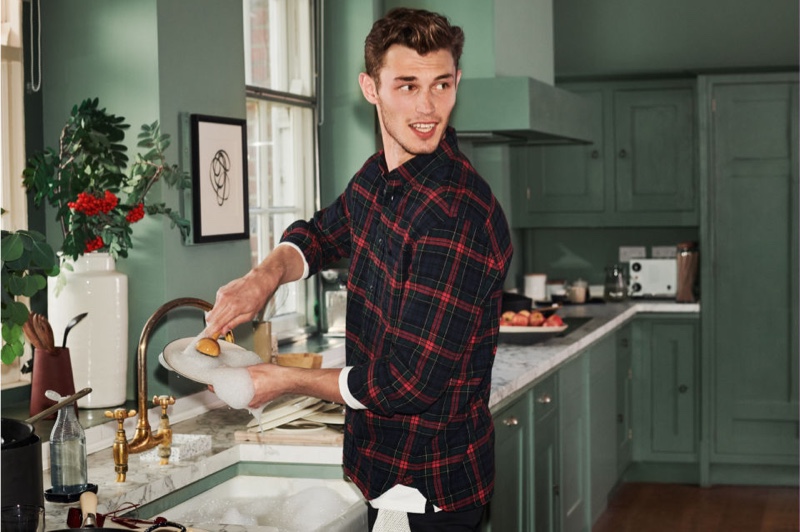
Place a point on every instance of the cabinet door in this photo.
(624, 384)
(752, 269)
(604, 426)
(510, 506)
(568, 179)
(654, 150)
(574, 444)
(668, 389)
(546, 457)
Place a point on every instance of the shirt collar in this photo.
(418, 168)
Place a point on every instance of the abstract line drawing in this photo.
(219, 175)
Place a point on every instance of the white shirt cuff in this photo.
(305, 264)
(351, 401)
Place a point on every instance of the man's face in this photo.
(414, 100)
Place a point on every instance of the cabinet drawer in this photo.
(544, 397)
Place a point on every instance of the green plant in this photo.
(27, 261)
(86, 176)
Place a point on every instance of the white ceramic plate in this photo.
(283, 406)
(301, 425)
(288, 418)
(325, 417)
(199, 367)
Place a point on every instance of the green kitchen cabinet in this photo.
(603, 407)
(750, 274)
(546, 459)
(562, 180)
(574, 444)
(641, 169)
(624, 399)
(667, 389)
(510, 507)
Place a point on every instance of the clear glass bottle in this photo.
(68, 469)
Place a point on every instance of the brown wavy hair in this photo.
(420, 30)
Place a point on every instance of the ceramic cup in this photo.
(535, 286)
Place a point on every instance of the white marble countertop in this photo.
(516, 368)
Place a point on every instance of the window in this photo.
(12, 138)
(280, 37)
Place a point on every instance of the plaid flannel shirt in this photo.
(429, 249)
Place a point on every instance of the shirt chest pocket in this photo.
(389, 273)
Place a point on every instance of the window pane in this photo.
(279, 55)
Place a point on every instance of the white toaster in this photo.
(653, 277)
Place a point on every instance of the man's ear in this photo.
(368, 88)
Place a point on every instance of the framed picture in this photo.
(219, 179)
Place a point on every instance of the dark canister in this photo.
(21, 462)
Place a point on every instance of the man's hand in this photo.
(241, 299)
(271, 381)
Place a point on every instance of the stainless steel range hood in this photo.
(520, 109)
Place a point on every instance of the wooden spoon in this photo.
(208, 346)
(30, 333)
(45, 332)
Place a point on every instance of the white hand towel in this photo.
(391, 521)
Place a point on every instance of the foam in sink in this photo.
(184, 446)
(271, 504)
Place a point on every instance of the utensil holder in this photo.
(52, 370)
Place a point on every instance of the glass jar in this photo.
(616, 285)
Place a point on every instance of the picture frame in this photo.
(219, 179)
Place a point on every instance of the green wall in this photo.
(623, 37)
(149, 60)
(347, 135)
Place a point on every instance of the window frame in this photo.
(292, 326)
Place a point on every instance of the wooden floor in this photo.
(639, 507)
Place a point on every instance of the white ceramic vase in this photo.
(99, 343)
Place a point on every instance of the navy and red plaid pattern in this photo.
(429, 249)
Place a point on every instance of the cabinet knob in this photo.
(511, 422)
(595, 154)
(683, 388)
(620, 418)
(623, 154)
(544, 400)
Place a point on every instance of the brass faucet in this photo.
(144, 439)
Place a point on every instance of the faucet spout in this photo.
(144, 438)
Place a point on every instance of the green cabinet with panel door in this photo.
(527, 454)
(750, 277)
(510, 507)
(666, 385)
(624, 398)
(546, 456)
(641, 169)
(575, 444)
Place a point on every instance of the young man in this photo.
(429, 249)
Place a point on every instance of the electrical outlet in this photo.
(663, 252)
(628, 253)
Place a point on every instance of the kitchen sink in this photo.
(252, 501)
(574, 323)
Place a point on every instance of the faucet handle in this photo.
(163, 401)
(120, 414)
